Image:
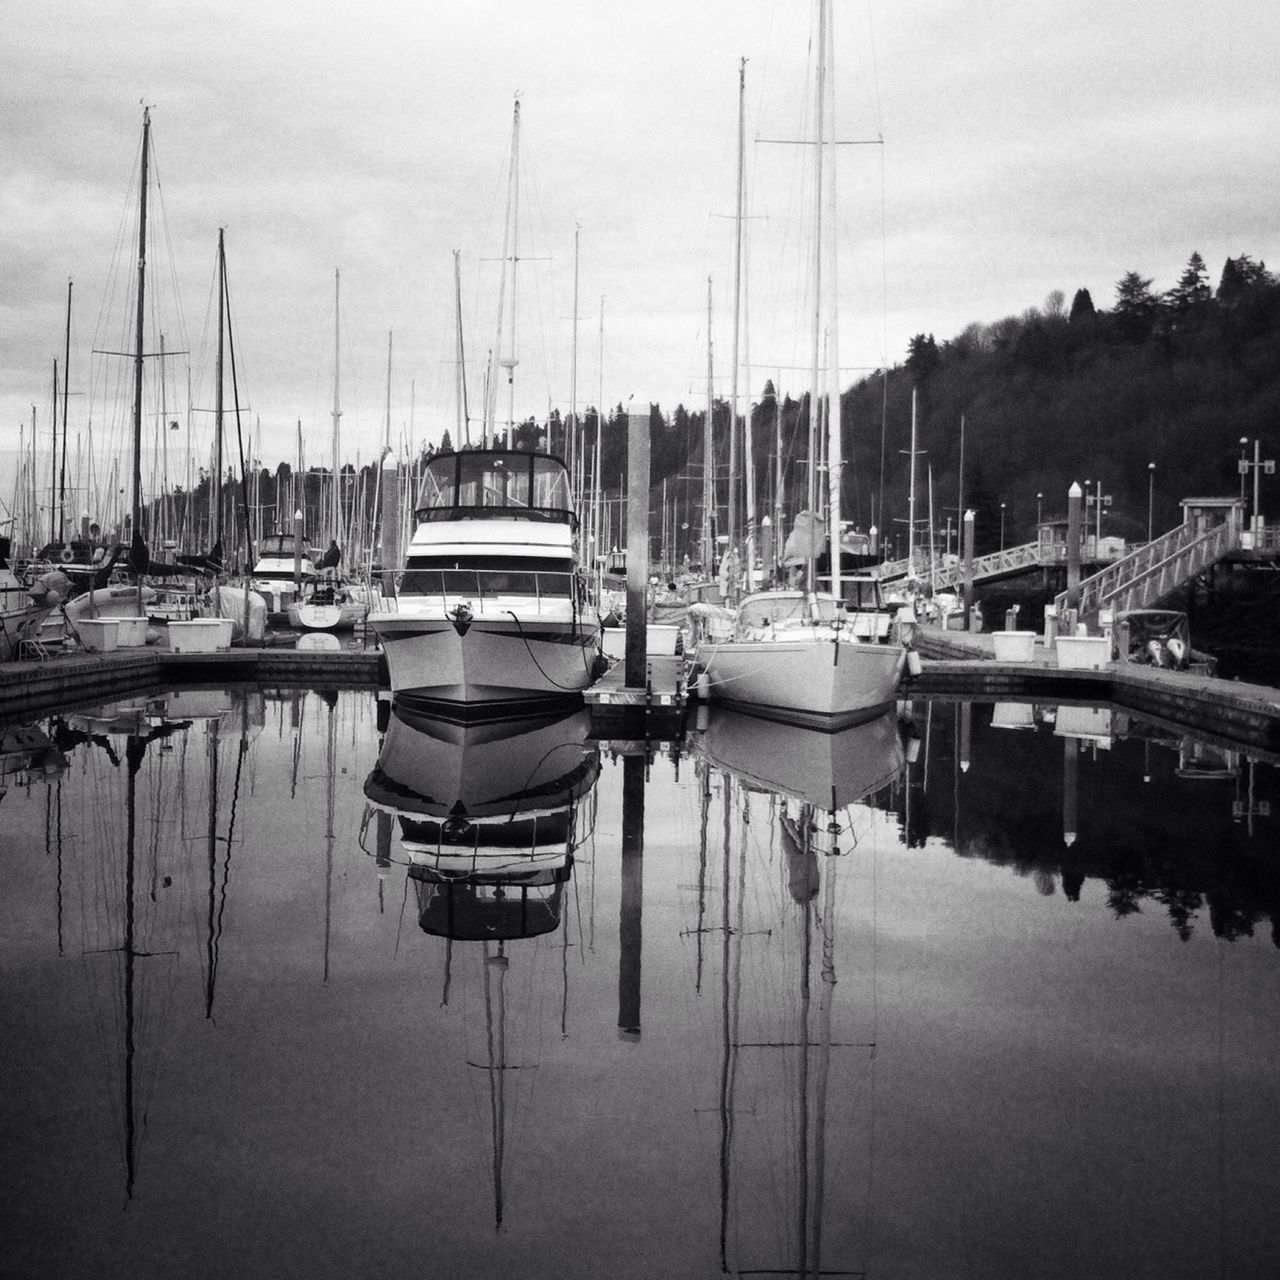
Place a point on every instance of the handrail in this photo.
(1152, 571)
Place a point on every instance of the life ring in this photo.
(67, 556)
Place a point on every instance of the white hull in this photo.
(109, 602)
(813, 680)
(492, 659)
(826, 770)
(17, 625)
(326, 617)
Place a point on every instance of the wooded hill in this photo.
(1053, 395)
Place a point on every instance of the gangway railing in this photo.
(1029, 555)
(1152, 572)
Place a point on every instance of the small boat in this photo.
(23, 607)
(280, 566)
(326, 604)
(1162, 638)
(491, 612)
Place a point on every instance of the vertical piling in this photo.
(1075, 531)
(637, 546)
(968, 567)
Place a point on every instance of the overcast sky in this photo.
(1026, 148)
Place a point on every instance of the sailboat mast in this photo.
(835, 449)
(737, 319)
(216, 533)
(573, 446)
(136, 506)
(66, 391)
(708, 446)
(55, 524)
(464, 426)
(336, 517)
(911, 496)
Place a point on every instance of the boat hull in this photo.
(17, 625)
(487, 664)
(325, 617)
(823, 682)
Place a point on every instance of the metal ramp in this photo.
(999, 564)
(1146, 576)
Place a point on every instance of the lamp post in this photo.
(1039, 506)
(1002, 526)
(1098, 500)
(1151, 498)
(1257, 466)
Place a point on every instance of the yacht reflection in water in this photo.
(489, 816)
(795, 1057)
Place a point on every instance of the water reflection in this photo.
(781, 1001)
(793, 809)
(1158, 816)
(489, 817)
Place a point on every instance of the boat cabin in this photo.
(502, 483)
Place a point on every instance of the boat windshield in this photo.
(495, 483)
(777, 608)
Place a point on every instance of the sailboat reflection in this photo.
(794, 1064)
(489, 816)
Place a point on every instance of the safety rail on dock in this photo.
(1152, 572)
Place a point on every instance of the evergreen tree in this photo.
(1192, 287)
(1082, 308)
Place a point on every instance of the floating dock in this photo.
(957, 666)
(963, 665)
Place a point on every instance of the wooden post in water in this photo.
(637, 546)
(390, 519)
(1075, 529)
(629, 924)
(968, 568)
(297, 553)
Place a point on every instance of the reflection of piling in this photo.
(637, 545)
(629, 935)
(1070, 787)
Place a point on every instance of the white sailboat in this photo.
(824, 659)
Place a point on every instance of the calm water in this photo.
(993, 997)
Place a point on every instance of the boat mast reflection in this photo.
(488, 817)
(809, 784)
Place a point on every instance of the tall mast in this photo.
(136, 518)
(55, 523)
(572, 444)
(819, 156)
(835, 453)
(510, 254)
(708, 445)
(464, 427)
(216, 531)
(66, 391)
(737, 320)
(336, 517)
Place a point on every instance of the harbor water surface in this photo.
(977, 991)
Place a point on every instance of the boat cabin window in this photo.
(480, 576)
(484, 483)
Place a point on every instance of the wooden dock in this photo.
(962, 664)
(957, 666)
